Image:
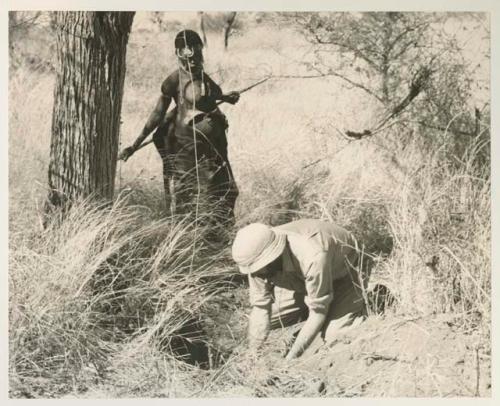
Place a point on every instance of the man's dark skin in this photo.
(158, 115)
(195, 95)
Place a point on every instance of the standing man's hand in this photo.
(126, 153)
(154, 120)
(232, 97)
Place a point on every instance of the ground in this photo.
(386, 355)
(417, 357)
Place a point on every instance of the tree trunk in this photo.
(201, 20)
(91, 49)
(228, 24)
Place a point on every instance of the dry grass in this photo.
(102, 279)
(101, 297)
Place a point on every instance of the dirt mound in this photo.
(386, 355)
(389, 356)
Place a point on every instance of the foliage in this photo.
(383, 54)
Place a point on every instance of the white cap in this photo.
(256, 246)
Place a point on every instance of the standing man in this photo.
(191, 139)
(311, 266)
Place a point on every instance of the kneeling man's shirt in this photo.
(320, 254)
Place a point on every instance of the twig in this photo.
(478, 371)
(441, 128)
(416, 86)
(349, 138)
(467, 272)
(335, 74)
(25, 21)
(325, 157)
(370, 357)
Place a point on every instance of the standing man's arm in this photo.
(154, 120)
(169, 89)
(231, 97)
(319, 289)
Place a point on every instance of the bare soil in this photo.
(386, 355)
(392, 356)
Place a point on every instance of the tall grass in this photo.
(103, 278)
(441, 228)
(422, 213)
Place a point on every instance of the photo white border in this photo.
(491, 6)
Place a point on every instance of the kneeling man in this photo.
(306, 269)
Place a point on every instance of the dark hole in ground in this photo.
(380, 298)
(191, 344)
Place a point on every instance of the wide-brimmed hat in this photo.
(256, 246)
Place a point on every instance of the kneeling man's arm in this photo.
(307, 334)
(319, 296)
(259, 325)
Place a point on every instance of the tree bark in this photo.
(90, 72)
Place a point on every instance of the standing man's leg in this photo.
(160, 140)
(164, 140)
(222, 190)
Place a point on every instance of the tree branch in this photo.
(26, 21)
(440, 128)
(407, 31)
(356, 51)
(335, 74)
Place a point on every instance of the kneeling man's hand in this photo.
(307, 334)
